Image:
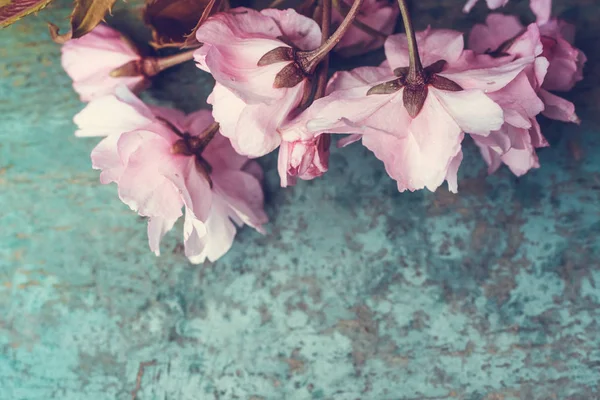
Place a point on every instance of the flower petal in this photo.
(419, 154)
(489, 79)
(434, 45)
(243, 195)
(472, 110)
(126, 112)
(498, 28)
(558, 108)
(452, 172)
(157, 228)
(216, 239)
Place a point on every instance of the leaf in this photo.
(86, 15)
(174, 22)
(13, 10)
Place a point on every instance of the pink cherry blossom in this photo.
(90, 59)
(378, 15)
(255, 94)
(564, 66)
(492, 4)
(566, 61)
(515, 142)
(421, 150)
(304, 159)
(161, 165)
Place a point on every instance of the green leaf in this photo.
(13, 10)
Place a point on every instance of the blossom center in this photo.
(190, 145)
(416, 88)
(290, 75)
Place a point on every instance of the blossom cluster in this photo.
(272, 93)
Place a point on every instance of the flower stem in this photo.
(151, 66)
(309, 60)
(415, 68)
(170, 61)
(324, 67)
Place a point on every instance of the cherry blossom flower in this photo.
(515, 142)
(565, 62)
(417, 129)
(90, 59)
(163, 161)
(251, 55)
(375, 21)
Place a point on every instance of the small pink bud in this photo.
(303, 159)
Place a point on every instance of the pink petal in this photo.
(492, 4)
(220, 154)
(358, 77)
(303, 32)
(566, 62)
(520, 161)
(419, 154)
(252, 128)
(497, 29)
(143, 185)
(469, 5)
(175, 117)
(197, 122)
(254, 169)
(193, 188)
(379, 15)
(157, 228)
(345, 110)
(519, 101)
(489, 155)
(348, 140)
(519, 155)
(243, 194)
(529, 44)
(285, 179)
(497, 141)
(472, 110)
(216, 239)
(488, 79)
(227, 108)
(558, 108)
(535, 132)
(542, 10)
(126, 113)
(105, 157)
(434, 45)
(452, 172)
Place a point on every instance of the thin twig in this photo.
(140, 374)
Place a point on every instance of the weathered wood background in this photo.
(356, 292)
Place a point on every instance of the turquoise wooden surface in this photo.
(356, 292)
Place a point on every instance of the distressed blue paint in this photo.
(357, 291)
